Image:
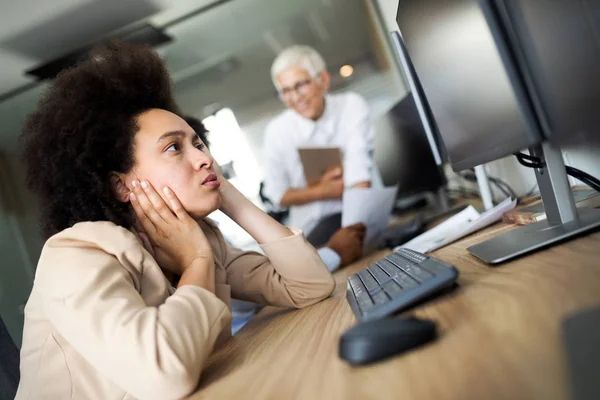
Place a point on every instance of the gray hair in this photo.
(304, 57)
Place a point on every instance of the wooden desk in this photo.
(500, 336)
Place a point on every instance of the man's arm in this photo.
(363, 185)
(344, 247)
(298, 197)
(331, 186)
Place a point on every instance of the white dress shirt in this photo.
(346, 124)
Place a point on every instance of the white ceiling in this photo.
(225, 54)
(34, 31)
(236, 38)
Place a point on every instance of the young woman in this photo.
(124, 186)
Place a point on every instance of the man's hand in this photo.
(331, 185)
(348, 243)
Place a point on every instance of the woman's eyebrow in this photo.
(168, 135)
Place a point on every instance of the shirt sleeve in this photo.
(276, 181)
(331, 259)
(149, 351)
(358, 147)
(290, 274)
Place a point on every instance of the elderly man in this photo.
(314, 118)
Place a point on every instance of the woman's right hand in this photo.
(331, 185)
(178, 241)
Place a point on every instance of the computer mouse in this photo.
(376, 340)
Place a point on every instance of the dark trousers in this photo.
(323, 231)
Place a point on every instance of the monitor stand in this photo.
(563, 220)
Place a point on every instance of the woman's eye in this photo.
(173, 147)
(200, 146)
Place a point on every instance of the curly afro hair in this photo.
(84, 128)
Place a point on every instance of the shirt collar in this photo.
(326, 122)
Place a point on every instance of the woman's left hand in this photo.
(177, 240)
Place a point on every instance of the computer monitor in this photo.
(465, 81)
(469, 55)
(403, 154)
(427, 120)
(557, 47)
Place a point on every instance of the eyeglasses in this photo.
(301, 88)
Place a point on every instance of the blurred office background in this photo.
(219, 55)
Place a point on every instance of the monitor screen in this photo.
(402, 152)
(558, 46)
(424, 111)
(465, 81)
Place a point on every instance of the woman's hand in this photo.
(331, 185)
(178, 241)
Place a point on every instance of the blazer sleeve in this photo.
(149, 351)
(290, 274)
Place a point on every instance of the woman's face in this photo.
(167, 152)
(302, 93)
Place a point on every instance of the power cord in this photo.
(499, 183)
(534, 162)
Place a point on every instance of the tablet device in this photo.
(318, 160)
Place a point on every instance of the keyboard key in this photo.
(412, 255)
(405, 281)
(357, 286)
(414, 271)
(419, 273)
(379, 274)
(392, 288)
(364, 302)
(399, 259)
(391, 269)
(369, 282)
(380, 298)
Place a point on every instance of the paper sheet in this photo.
(372, 207)
(458, 226)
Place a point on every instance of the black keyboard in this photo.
(396, 282)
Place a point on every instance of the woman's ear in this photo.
(119, 188)
(325, 80)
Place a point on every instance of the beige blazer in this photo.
(103, 322)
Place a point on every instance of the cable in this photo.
(531, 191)
(463, 192)
(578, 174)
(529, 161)
(534, 162)
(499, 183)
(508, 191)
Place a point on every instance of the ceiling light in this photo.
(346, 71)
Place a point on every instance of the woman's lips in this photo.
(212, 181)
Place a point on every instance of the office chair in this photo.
(277, 215)
(9, 364)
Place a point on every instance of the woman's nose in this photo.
(202, 159)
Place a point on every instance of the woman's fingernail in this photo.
(145, 184)
(131, 196)
(167, 191)
(135, 183)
